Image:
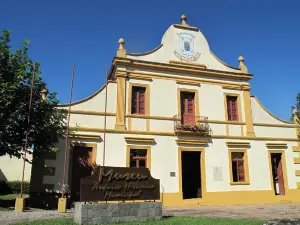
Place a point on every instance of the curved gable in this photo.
(96, 101)
(262, 115)
(184, 43)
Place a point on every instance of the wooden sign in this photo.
(119, 184)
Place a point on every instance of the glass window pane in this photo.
(234, 172)
(142, 163)
(138, 152)
(132, 163)
(237, 155)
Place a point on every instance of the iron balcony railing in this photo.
(197, 124)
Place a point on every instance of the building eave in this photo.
(180, 68)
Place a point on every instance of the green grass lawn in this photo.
(5, 209)
(167, 221)
(11, 196)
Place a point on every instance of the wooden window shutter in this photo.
(138, 100)
(141, 102)
(229, 109)
(134, 100)
(232, 110)
(190, 103)
(241, 171)
(182, 104)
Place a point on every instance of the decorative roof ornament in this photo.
(121, 51)
(44, 94)
(242, 66)
(183, 20)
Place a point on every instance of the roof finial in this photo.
(121, 51)
(242, 66)
(183, 20)
(44, 94)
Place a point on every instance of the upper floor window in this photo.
(138, 158)
(138, 100)
(232, 109)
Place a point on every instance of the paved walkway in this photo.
(263, 212)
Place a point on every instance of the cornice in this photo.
(140, 140)
(133, 63)
(276, 145)
(190, 142)
(185, 27)
(238, 144)
(165, 133)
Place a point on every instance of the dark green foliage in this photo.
(47, 120)
(14, 187)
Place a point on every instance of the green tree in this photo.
(296, 106)
(47, 124)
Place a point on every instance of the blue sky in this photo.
(86, 32)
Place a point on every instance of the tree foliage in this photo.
(47, 121)
(296, 106)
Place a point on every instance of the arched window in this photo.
(187, 46)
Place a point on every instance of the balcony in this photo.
(192, 125)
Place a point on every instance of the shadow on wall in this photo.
(44, 195)
(2, 176)
(4, 189)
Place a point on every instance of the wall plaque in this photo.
(218, 175)
(119, 184)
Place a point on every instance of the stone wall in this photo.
(118, 212)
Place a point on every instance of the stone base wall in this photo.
(118, 212)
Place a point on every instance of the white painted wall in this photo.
(211, 102)
(261, 131)
(138, 124)
(234, 130)
(92, 121)
(97, 103)
(262, 116)
(11, 168)
(163, 98)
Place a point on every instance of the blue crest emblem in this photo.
(186, 46)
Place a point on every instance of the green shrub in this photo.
(14, 187)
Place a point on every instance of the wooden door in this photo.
(280, 178)
(81, 167)
(188, 107)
